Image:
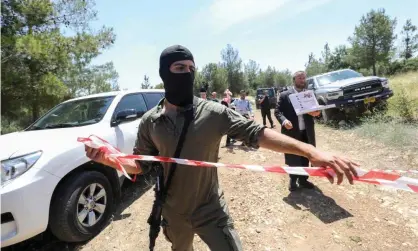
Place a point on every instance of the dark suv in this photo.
(272, 92)
(349, 91)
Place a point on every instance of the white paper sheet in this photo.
(305, 102)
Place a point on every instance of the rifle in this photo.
(154, 220)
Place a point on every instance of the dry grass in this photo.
(398, 127)
(404, 103)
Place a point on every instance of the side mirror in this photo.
(125, 115)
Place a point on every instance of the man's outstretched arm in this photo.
(255, 135)
(278, 142)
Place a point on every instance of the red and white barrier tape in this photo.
(388, 178)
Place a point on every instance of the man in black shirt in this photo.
(265, 109)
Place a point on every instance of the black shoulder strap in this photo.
(188, 118)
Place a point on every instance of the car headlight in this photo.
(334, 95)
(12, 168)
(385, 83)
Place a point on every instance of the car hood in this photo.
(24, 142)
(347, 82)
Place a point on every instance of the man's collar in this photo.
(160, 107)
(295, 91)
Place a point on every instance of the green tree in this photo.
(159, 86)
(409, 40)
(251, 69)
(373, 39)
(199, 81)
(92, 79)
(284, 78)
(326, 55)
(39, 65)
(314, 66)
(269, 77)
(216, 77)
(145, 84)
(338, 58)
(233, 64)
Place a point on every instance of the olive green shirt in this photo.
(193, 189)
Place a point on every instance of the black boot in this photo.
(293, 185)
(306, 184)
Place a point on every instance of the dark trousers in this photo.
(228, 140)
(266, 113)
(304, 162)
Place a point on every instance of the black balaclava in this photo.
(178, 86)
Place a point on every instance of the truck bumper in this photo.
(347, 103)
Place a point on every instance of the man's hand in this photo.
(315, 113)
(287, 124)
(340, 165)
(98, 156)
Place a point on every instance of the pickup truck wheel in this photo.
(82, 206)
(381, 106)
(327, 114)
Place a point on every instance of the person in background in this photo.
(265, 109)
(300, 127)
(243, 107)
(228, 95)
(229, 141)
(214, 98)
(203, 93)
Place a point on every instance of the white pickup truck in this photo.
(46, 179)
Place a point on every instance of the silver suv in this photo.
(349, 91)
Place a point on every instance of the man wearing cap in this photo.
(195, 203)
(203, 93)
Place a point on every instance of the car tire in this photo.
(69, 207)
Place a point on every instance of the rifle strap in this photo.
(189, 114)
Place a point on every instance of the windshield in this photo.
(74, 113)
(337, 76)
(260, 92)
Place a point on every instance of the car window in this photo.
(132, 101)
(310, 84)
(74, 113)
(337, 76)
(260, 92)
(153, 99)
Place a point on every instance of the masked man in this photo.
(195, 203)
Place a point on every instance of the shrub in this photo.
(404, 104)
(8, 126)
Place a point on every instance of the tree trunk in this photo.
(374, 69)
(35, 110)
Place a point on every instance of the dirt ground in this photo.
(268, 217)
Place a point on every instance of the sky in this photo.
(279, 33)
